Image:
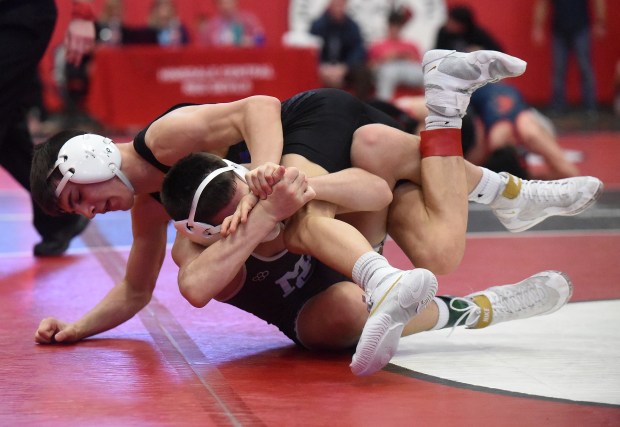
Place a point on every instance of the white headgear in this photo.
(88, 159)
(200, 232)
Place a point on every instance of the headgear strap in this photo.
(198, 231)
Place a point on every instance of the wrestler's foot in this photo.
(392, 304)
(450, 77)
(522, 204)
(540, 294)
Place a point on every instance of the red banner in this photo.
(131, 86)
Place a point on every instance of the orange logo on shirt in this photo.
(504, 104)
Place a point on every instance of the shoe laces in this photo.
(546, 191)
(471, 310)
(503, 302)
(515, 299)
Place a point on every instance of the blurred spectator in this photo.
(343, 54)
(231, 27)
(164, 19)
(461, 32)
(73, 80)
(394, 60)
(570, 28)
(504, 131)
(109, 25)
(429, 17)
(511, 126)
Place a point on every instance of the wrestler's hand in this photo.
(288, 196)
(262, 179)
(52, 331)
(230, 223)
(247, 203)
(79, 40)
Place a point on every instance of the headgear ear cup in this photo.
(89, 159)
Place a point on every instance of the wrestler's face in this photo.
(92, 199)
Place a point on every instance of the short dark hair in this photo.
(400, 16)
(42, 187)
(182, 180)
(463, 15)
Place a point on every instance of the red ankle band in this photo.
(441, 142)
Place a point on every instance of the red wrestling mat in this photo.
(176, 365)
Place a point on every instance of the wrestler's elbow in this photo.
(192, 292)
(265, 103)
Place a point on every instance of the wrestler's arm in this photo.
(216, 127)
(123, 301)
(204, 276)
(352, 190)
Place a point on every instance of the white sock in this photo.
(370, 270)
(434, 121)
(444, 314)
(488, 188)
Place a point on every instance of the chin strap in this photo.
(122, 177)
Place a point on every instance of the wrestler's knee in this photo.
(334, 319)
(368, 136)
(367, 146)
(437, 253)
(443, 256)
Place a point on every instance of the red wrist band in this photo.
(82, 10)
(441, 142)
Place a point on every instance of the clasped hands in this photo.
(280, 192)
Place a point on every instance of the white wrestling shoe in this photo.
(450, 77)
(392, 304)
(540, 294)
(523, 204)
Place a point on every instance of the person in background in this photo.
(110, 26)
(25, 31)
(571, 29)
(231, 26)
(462, 32)
(73, 81)
(164, 19)
(394, 60)
(512, 128)
(503, 129)
(343, 54)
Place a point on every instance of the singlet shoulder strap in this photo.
(139, 142)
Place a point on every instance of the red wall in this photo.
(509, 20)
